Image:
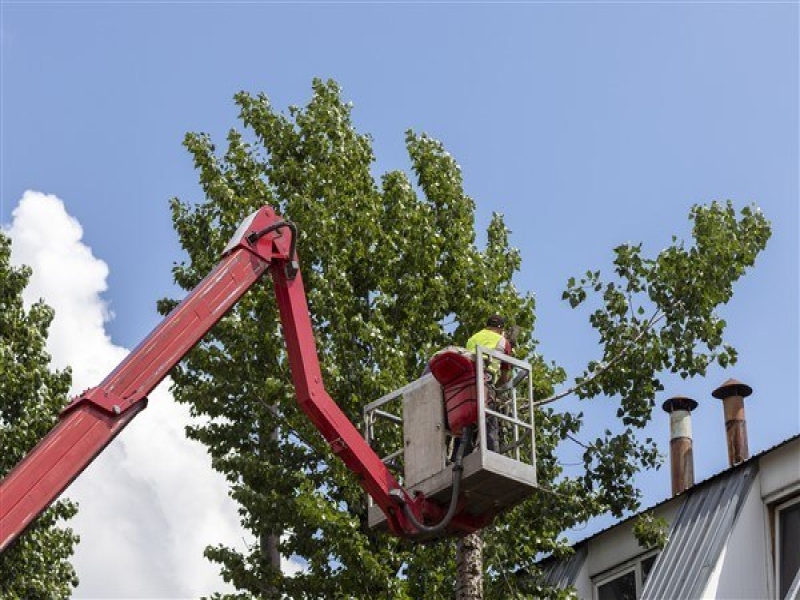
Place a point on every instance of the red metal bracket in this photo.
(338, 446)
(104, 400)
(265, 234)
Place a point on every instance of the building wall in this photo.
(744, 569)
(713, 579)
(780, 471)
(741, 571)
(780, 480)
(619, 545)
(583, 583)
(613, 548)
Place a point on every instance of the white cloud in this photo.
(151, 502)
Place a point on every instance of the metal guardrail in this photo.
(514, 412)
(512, 409)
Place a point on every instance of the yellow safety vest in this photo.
(488, 339)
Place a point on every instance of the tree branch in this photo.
(657, 316)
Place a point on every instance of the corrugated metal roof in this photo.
(697, 536)
(563, 573)
(720, 487)
(708, 481)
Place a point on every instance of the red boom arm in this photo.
(89, 423)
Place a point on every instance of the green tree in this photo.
(393, 273)
(31, 396)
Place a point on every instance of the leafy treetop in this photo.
(393, 274)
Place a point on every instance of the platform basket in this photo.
(408, 429)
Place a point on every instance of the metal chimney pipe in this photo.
(680, 443)
(732, 393)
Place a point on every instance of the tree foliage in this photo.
(651, 531)
(658, 315)
(393, 273)
(31, 396)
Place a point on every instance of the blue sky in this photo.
(587, 124)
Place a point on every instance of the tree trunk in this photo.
(469, 567)
(268, 541)
(269, 549)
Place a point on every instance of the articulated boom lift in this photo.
(264, 242)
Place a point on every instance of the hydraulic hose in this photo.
(458, 469)
(291, 266)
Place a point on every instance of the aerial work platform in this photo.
(409, 430)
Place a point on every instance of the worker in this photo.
(492, 337)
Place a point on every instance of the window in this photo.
(647, 566)
(625, 582)
(622, 587)
(787, 549)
